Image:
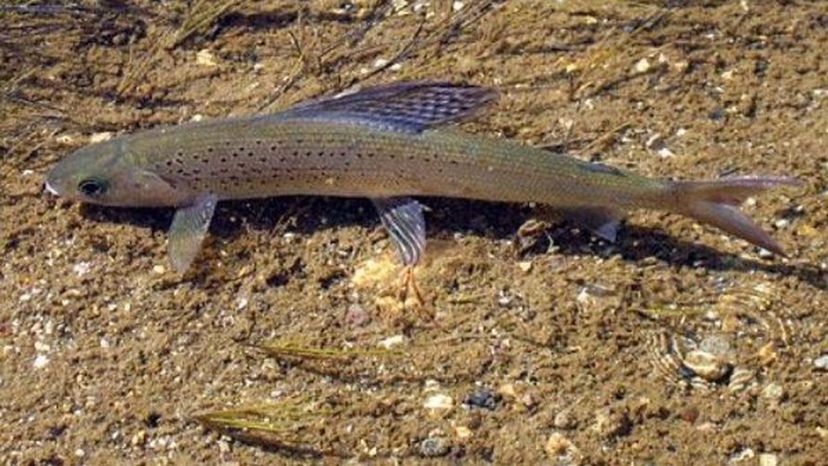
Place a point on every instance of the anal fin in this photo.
(188, 229)
(603, 222)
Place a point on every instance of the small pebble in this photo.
(40, 361)
(821, 363)
(434, 446)
(690, 414)
(564, 420)
(205, 58)
(768, 459)
(642, 66)
(482, 398)
(438, 401)
(159, 269)
(392, 341)
(463, 432)
(100, 137)
(773, 392)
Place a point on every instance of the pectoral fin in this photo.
(188, 229)
(602, 222)
(403, 218)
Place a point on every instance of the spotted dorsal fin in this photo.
(410, 107)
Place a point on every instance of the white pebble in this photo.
(100, 137)
(205, 57)
(642, 66)
(821, 363)
(768, 459)
(392, 341)
(40, 361)
(82, 268)
(438, 401)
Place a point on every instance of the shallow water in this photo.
(556, 348)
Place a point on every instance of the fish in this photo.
(390, 143)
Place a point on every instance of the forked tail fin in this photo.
(717, 203)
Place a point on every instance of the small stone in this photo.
(139, 438)
(773, 392)
(434, 446)
(40, 361)
(765, 254)
(525, 266)
(743, 455)
(564, 420)
(821, 363)
(438, 401)
(768, 459)
(100, 137)
(392, 341)
(205, 57)
(482, 398)
(690, 414)
(463, 432)
(159, 270)
(642, 66)
(507, 390)
(80, 453)
(82, 268)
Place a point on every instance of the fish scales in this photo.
(257, 158)
(385, 143)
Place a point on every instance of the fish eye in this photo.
(92, 188)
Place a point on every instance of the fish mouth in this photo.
(51, 189)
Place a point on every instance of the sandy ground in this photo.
(677, 345)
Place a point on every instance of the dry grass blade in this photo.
(202, 15)
(291, 425)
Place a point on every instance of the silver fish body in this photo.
(385, 143)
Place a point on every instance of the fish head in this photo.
(111, 173)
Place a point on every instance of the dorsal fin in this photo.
(410, 107)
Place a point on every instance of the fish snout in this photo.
(49, 188)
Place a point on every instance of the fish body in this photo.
(259, 157)
(385, 143)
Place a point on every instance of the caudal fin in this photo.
(716, 202)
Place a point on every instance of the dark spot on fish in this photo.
(595, 167)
